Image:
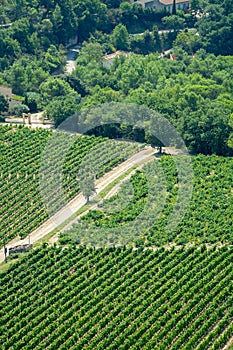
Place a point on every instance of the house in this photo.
(6, 91)
(164, 4)
(12, 99)
(144, 3)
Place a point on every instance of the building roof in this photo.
(115, 54)
(170, 2)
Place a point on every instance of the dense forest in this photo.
(194, 91)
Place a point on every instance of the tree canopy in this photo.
(194, 90)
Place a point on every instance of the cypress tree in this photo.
(174, 7)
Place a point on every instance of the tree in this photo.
(9, 47)
(54, 87)
(188, 41)
(230, 140)
(174, 22)
(90, 52)
(103, 95)
(215, 28)
(53, 58)
(57, 19)
(60, 108)
(144, 44)
(157, 40)
(174, 7)
(87, 187)
(32, 100)
(4, 104)
(154, 141)
(19, 109)
(17, 78)
(21, 31)
(26, 74)
(127, 12)
(64, 20)
(120, 37)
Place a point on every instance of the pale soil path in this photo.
(79, 201)
(111, 193)
(71, 59)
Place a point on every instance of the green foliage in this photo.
(230, 141)
(4, 104)
(208, 216)
(146, 43)
(87, 186)
(19, 108)
(120, 37)
(26, 171)
(194, 93)
(131, 209)
(90, 53)
(53, 59)
(99, 96)
(173, 22)
(215, 28)
(195, 5)
(118, 298)
(62, 107)
(25, 75)
(55, 87)
(17, 98)
(33, 100)
(22, 208)
(189, 41)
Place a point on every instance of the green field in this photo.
(118, 298)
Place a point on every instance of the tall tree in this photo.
(174, 7)
(230, 140)
(120, 37)
(87, 187)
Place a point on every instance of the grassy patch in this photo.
(5, 265)
(17, 98)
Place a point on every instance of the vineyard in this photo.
(118, 298)
(170, 291)
(207, 220)
(34, 163)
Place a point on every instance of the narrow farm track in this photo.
(111, 193)
(79, 201)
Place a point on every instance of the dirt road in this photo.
(111, 193)
(71, 59)
(77, 203)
